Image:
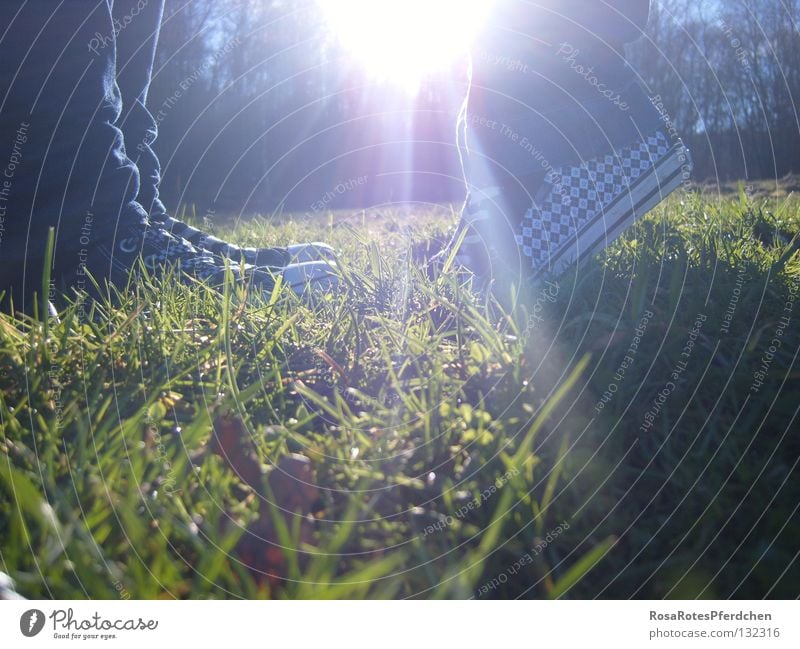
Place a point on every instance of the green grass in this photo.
(458, 449)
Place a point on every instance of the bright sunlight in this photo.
(405, 40)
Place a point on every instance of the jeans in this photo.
(549, 86)
(73, 86)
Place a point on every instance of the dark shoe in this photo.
(484, 240)
(159, 251)
(617, 166)
(266, 257)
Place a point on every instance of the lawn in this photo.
(626, 430)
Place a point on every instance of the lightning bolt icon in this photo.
(32, 621)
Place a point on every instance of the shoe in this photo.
(279, 257)
(311, 279)
(484, 240)
(597, 169)
(576, 217)
(8, 589)
(159, 250)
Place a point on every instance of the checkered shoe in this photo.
(159, 250)
(572, 176)
(265, 257)
(580, 209)
(487, 247)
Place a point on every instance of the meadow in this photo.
(628, 429)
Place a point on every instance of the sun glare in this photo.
(404, 40)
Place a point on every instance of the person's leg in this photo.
(68, 169)
(539, 56)
(67, 166)
(138, 23)
(63, 158)
(552, 107)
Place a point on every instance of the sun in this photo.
(405, 40)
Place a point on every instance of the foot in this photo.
(593, 203)
(278, 257)
(158, 251)
(585, 201)
(7, 589)
(483, 243)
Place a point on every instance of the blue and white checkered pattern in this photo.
(574, 195)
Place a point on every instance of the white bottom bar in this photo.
(404, 624)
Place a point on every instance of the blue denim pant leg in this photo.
(62, 155)
(138, 25)
(529, 111)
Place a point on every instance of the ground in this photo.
(628, 430)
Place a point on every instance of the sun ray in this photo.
(404, 41)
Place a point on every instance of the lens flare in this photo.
(404, 40)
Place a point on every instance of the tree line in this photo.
(260, 109)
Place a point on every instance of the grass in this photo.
(406, 439)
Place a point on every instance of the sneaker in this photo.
(617, 168)
(311, 279)
(278, 257)
(159, 250)
(603, 197)
(484, 238)
(484, 242)
(8, 589)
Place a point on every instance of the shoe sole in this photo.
(300, 253)
(309, 277)
(645, 193)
